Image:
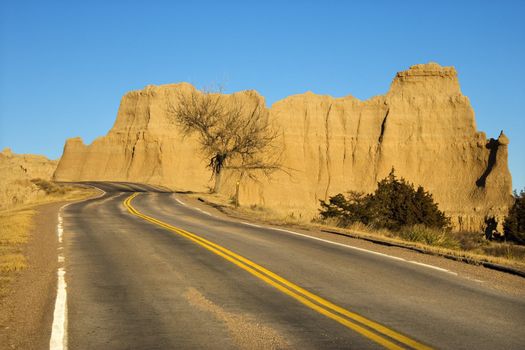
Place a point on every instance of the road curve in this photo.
(149, 272)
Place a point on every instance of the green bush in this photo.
(347, 210)
(394, 204)
(514, 224)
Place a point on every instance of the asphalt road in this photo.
(138, 278)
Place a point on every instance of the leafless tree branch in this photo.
(233, 132)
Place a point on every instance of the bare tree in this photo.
(234, 132)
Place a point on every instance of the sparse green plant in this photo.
(427, 235)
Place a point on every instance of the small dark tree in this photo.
(514, 224)
(394, 204)
(347, 210)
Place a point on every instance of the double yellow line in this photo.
(374, 331)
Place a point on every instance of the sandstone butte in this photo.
(16, 173)
(424, 127)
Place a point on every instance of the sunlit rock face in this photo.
(16, 173)
(423, 127)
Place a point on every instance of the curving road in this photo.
(151, 272)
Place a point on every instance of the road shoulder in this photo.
(27, 308)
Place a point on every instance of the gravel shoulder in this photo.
(27, 308)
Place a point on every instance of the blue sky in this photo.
(64, 65)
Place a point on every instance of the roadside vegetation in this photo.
(16, 224)
(399, 210)
(394, 205)
(396, 213)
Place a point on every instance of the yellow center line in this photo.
(307, 298)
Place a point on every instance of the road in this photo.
(151, 272)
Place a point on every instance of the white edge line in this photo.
(202, 211)
(332, 242)
(58, 339)
(181, 202)
(355, 248)
(195, 208)
(338, 244)
(432, 267)
(250, 224)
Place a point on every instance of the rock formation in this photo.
(423, 127)
(16, 173)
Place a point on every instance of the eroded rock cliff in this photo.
(16, 173)
(423, 127)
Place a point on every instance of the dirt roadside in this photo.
(27, 308)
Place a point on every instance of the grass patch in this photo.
(16, 225)
(469, 245)
(12, 262)
(427, 235)
(253, 211)
(59, 192)
(505, 250)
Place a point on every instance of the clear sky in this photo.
(64, 65)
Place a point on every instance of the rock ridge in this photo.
(423, 126)
(17, 171)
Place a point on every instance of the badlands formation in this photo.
(424, 127)
(16, 173)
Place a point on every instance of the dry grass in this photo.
(254, 211)
(428, 236)
(16, 224)
(12, 262)
(468, 246)
(58, 193)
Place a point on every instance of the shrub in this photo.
(514, 224)
(347, 210)
(47, 186)
(394, 204)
